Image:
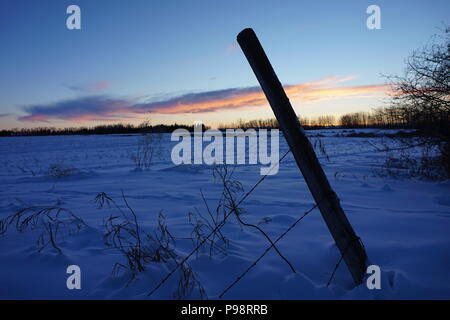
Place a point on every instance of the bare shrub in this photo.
(56, 222)
(149, 145)
(188, 282)
(411, 160)
(60, 170)
(140, 248)
(205, 232)
(319, 146)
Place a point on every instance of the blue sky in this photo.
(178, 60)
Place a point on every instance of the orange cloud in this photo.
(323, 89)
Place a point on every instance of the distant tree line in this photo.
(394, 116)
(119, 128)
(272, 123)
(251, 124)
(390, 117)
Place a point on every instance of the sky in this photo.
(178, 61)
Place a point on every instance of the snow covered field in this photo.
(404, 224)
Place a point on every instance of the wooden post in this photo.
(327, 201)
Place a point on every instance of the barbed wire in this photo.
(266, 251)
(342, 257)
(218, 227)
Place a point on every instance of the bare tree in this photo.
(422, 94)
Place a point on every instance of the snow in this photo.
(403, 223)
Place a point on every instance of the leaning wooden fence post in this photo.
(326, 199)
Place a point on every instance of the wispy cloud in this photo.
(4, 115)
(86, 108)
(90, 88)
(102, 107)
